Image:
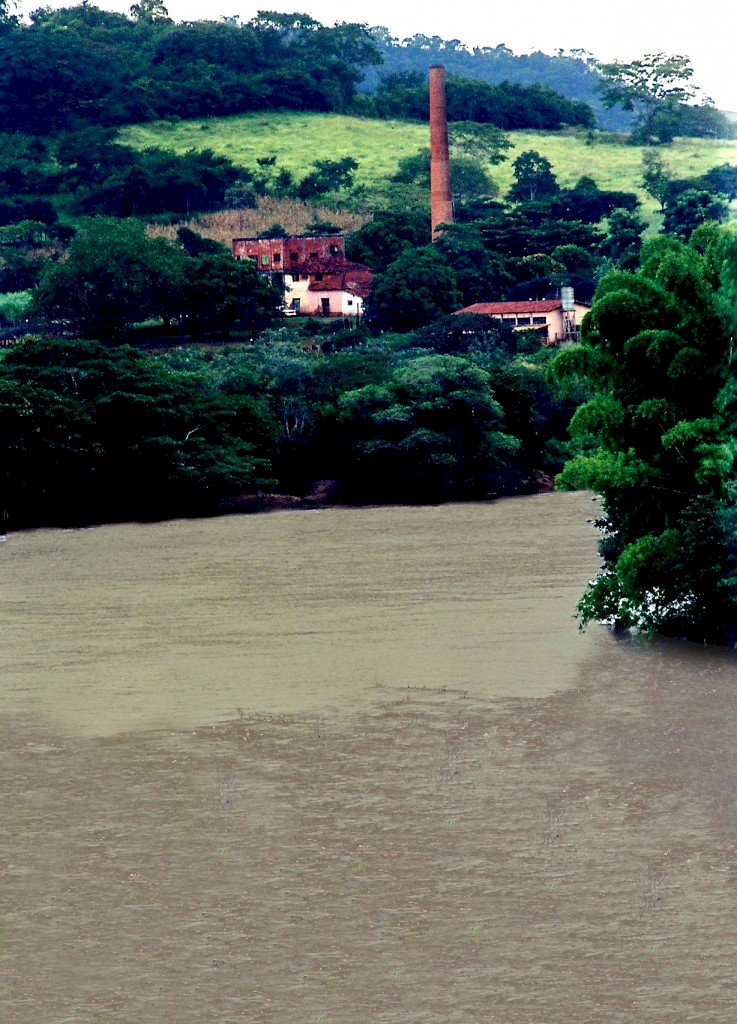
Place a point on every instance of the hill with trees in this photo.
(81, 65)
(575, 75)
(294, 140)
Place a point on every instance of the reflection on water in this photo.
(184, 622)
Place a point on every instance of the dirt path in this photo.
(430, 860)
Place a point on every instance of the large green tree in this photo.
(480, 276)
(656, 442)
(431, 432)
(688, 210)
(93, 433)
(533, 178)
(381, 241)
(657, 178)
(623, 240)
(418, 287)
(652, 87)
(220, 290)
(114, 275)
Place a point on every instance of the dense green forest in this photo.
(82, 66)
(575, 75)
(94, 432)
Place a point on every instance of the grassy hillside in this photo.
(297, 139)
(615, 165)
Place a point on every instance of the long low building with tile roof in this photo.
(555, 320)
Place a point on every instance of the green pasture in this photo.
(298, 139)
(614, 164)
(295, 139)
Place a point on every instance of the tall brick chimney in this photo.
(441, 199)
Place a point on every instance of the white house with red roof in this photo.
(313, 273)
(329, 289)
(556, 320)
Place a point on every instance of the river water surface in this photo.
(355, 766)
(185, 622)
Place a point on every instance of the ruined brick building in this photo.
(312, 273)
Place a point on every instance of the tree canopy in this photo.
(82, 65)
(433, 431)
(418, 287)
(115, 275)
(92, 433)
(652, 87)
(657, 439)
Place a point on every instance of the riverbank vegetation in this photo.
(95, 432)
(658, 441)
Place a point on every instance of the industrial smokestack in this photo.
(441, 199)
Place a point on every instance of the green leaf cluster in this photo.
(432, 431)
(657, 440)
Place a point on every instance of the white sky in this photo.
(705, 30)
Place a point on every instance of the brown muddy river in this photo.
(187, 622)
(355, 766)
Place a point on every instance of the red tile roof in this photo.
(497, 308)
(321, 265)
(353, 278)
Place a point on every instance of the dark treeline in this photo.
(80, 66)
(506, 105)
(459, 411)
(87, 172)
(573, 75)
